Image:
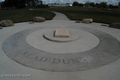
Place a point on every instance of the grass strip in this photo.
(23, 15)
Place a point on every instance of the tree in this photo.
(30, 3)
(81, 5)
(33, 3)
(87, 4)
(3, 4)
(97, 5)
(14, 3)
(92, 4)
(75, 3)
(103, 5)
(11, 3)
(112, 6)
(119, 4)
(21, 4)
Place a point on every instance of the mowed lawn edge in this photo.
(102, 15)
(73, 13)
(23, 15)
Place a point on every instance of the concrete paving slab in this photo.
(78, 41)
(17, 48)
(9, 67)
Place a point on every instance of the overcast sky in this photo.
(1, 0)
(80, 1)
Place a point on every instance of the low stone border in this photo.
(6, 23)
(87, 20)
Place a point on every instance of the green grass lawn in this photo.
(73, 13)
(97, 14)
(23, 15)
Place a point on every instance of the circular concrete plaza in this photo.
(88, 48)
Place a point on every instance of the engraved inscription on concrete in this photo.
(56, 60)
(19, 50)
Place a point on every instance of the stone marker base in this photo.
(39, 19)
(6, 23)
(87, 20)
(62, 37)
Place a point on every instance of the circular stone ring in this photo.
(20, 51)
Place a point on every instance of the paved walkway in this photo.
(11, 70)
(59, 16)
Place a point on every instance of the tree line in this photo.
(22, 3)
(39, 4)
(97, 5)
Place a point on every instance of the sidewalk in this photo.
(9, 67)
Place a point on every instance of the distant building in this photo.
(59, 5)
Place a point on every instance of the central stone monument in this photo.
(62, 33)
